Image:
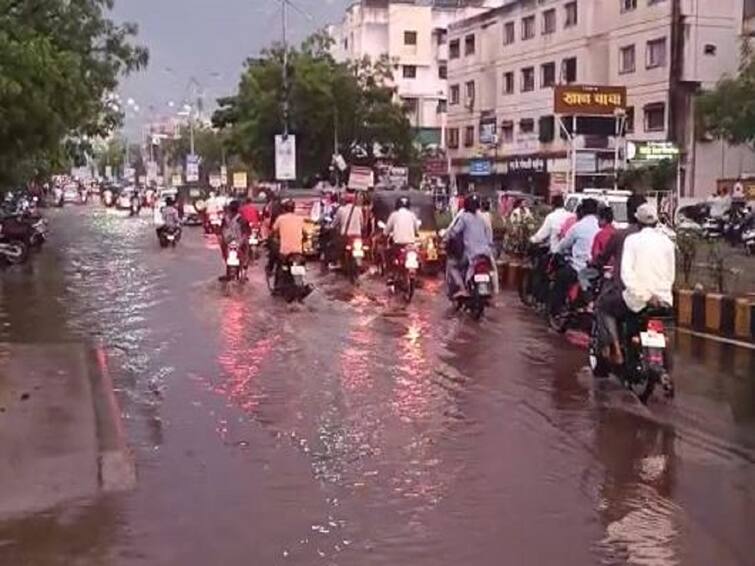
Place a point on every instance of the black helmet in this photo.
(472, 202)
(234, 206)
(403, 202)
(170, 201)
(289, 205)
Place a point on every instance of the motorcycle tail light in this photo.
(655, 325)
(481, 267)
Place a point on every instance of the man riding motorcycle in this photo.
(401, 229)
(235, 229)
(347, 224)
(168, 218)
(288, 235)
(476, 238)
(647, 273)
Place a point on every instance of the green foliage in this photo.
(208, 144)
(660, 176)
(325, 97)
(728, 111)
(687, 244)
(58, 61)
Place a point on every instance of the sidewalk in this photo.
(59, 428)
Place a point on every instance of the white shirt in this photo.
(648, 268)
(551, 228)
(402, 226)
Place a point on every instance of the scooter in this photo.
(234, 269)
(353, 259)
(479, 288)
(289, 279)
(169, 237)
(647, 357)
(255, 241)
(405, 268)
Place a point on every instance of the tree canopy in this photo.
(59, 59)
(728, 111)
(326, 98)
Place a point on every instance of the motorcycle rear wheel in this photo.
(409, 287)
(20, 255)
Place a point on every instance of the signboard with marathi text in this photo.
(652, 151)
(240, 180)
(361, 178)
(586, 100)
(480, 167)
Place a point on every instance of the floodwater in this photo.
(351, 431)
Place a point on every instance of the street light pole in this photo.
(284, 18)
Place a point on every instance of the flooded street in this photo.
(349, 431)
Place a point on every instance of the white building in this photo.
(504, 64)
(413, 35)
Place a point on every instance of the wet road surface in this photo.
(350, 431)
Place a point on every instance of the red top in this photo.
(601, 240)
(250, 213)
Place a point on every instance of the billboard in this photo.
(588, 100)
(285, 158)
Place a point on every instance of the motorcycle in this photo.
(255, 241)
(577, 313)
(234, 268)
(533, 287)
(108, 199)
(647, 358)
(479, 288)
(169, 237)
(713, 228)
(214, 223)
(405, 268)
(748, 239)
(135, 208)
(289, 279)
(353, 260)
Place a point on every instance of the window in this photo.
(528, 27)
(655, 117)
(710, 49)
(527, 125)
(442, 36)
(469, 45)
(410, 38)
(628, 5)
(629, 120)
(469, 136)
(442, 72)
(509, 33)
(546, 129)
(528, 79)
(507, 131)
(470, 93)
(656, 53)
(569, 70)
(410, 72)
(453, 138)
(455, 94)
(442, 107)
(547, 75)
(453, 49)
(508, 83)
(626, 60)
(571, 14)
(549, 21)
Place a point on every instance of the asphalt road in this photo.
(352, 431)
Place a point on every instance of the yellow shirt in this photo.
(290, 229)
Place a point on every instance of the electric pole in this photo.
(284, 18)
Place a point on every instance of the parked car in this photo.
(617, 200)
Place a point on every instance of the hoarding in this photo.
(587, 100)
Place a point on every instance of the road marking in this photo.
(730, 341)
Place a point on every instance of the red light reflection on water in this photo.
(413, 389)
(355, 362)
(240, 357)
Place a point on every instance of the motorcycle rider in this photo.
(648, 270)
(288, 235)
(169, 218)
(348, 223)
(250, 213)
(401, 229)
(214, 208)
(476, 238)
(551, 227)
(578, 243)
(235, 229)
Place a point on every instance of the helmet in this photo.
(234, 206)
(472, 202)
(170, 201)
(289, 205)
(402, 202)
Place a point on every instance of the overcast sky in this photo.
(208, 40)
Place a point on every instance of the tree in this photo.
(326, 98)
(728, 111)
(58, 61)
(208, 145)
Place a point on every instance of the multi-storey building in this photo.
(505, 63)
(412, 34)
